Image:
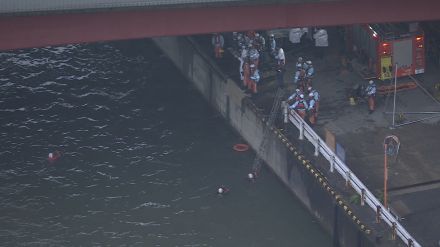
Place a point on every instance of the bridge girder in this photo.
(66, 28)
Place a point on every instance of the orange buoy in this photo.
(241, 147)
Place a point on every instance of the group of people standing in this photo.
(305, 103)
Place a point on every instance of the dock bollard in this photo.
(378, 209)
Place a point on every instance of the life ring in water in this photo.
(52, 157)
(241, 147)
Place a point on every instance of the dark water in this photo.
(143, 155)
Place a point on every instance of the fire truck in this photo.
(385, 46)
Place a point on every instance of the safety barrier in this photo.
(305, 131)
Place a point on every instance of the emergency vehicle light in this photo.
(419, 38)
(385, 44)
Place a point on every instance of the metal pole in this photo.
(395, 89)
(419, 120)
(415, 112)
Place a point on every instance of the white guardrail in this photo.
(337, 164)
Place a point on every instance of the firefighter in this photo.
(218, 42)
(294, 97)
(246, 74)
(299, 73)
(272, 45)
(371, 94)
(312, 109)
(315, 97)
(254, 55)
(254, 79)
(310, 71)
(300, 106)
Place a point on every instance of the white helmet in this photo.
(310, 94)
(50, 155)
(301, 96)
(250, 176)
(371, 82)
(309, 88)
(300, 59)
(309, 62)
(220, 190)
(297, 90)
(272, 36)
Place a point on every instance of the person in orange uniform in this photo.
(218, 42)
(254, 79)
(371, 94)
(300, 106)
(246, 74)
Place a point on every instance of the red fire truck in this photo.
(386, 45)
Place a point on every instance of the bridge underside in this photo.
(66, 28)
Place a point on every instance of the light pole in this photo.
(391, 147)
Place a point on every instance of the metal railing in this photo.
(305, 131)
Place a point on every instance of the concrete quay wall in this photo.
(283, 157)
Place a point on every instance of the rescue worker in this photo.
(253, 55)
(272, 45)
(312, 109)
(222, 190)
(310, 71)
(260, 45)
(235, 44)
(246, 74)
(299, 73)
(294, 97)
(254, 79)
(252, 176)
(371, 94)
(52, 157)
(280, 66)
(315, 97)
(300, 106)
(218, 42)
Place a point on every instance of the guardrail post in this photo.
(317, 147)
(410, 243)
(301, 130)
(347, 178)
(394, 231)
(378, 213)
(362, 197)
(332, 163)
(285, 111)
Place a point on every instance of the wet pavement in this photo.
(414, 175)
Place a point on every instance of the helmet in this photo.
(257, 35)
(300, 59)
(252, 65)
(50, 155)
(272, 36)
(309, 88)
(220, 190)
(297, 90)
(301, 96)
(371, 82)
(250, 176)
(310, 94)
(309, 62)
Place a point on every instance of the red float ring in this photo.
(241, 147)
